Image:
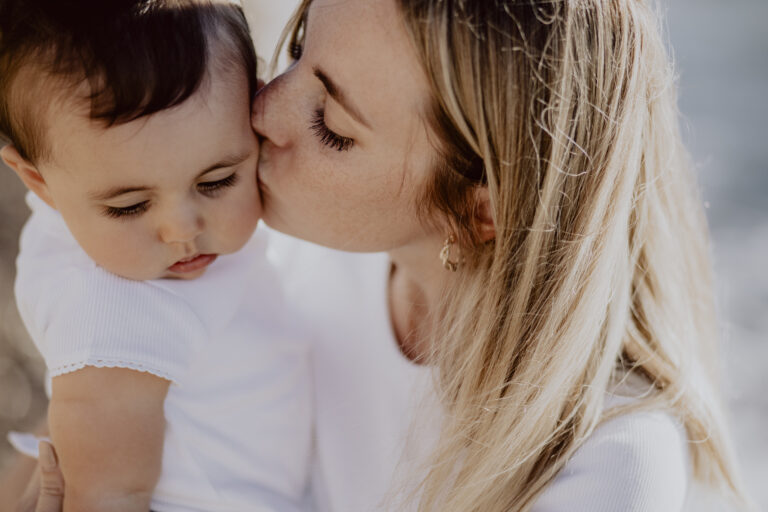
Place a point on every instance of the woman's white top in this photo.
(238, 410)
(375, 417)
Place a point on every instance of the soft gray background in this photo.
(721, 50)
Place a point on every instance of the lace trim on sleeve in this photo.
(110, 363)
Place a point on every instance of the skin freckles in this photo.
(188, 176)
(362, 198)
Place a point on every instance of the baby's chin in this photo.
(140, 275)
(189, 276)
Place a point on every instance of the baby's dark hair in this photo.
(135, 57)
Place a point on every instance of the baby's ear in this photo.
(27, 172)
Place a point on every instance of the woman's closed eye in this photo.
(327, 136)
(213, 188)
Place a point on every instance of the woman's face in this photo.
(346, 152)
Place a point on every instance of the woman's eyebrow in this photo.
(341, 98)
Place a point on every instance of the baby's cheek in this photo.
(127, 257)
(240, 223)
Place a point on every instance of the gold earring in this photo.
(445, 255)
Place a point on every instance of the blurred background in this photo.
(721, 53)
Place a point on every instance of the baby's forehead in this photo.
(68, 121)
(210, 125)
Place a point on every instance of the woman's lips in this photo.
(192, 264)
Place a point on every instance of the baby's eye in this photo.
(126, 211)
(210, 188)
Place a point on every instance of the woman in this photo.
(519, 163)
(534, 146)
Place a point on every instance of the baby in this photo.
(177, 383)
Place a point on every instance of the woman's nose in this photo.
(271, 116)
(259, 110)
(181, 226)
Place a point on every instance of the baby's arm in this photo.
(107, 425)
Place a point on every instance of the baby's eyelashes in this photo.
(210, 188)
(126, 211)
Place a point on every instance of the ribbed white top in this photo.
(376, 412)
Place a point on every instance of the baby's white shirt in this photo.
(238, 410)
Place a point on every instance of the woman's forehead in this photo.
(363, 46)
(366, 30)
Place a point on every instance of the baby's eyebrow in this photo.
(228, 161)
(113, 192)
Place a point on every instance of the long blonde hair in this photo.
(600, 266)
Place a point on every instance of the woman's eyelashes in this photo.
(207, 188)
(327, 136)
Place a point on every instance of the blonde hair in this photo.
(599, 269)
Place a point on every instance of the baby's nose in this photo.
(183, 226)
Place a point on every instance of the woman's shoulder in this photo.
(636, 461)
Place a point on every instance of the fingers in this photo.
(28, 500)
(51, 494)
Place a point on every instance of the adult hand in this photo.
(45, 492)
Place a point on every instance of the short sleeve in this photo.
(81, 315)
(103, 320)
(634, 463)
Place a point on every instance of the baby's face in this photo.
(161, 196)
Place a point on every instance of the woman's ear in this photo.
(484, 223)
(27, 172)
